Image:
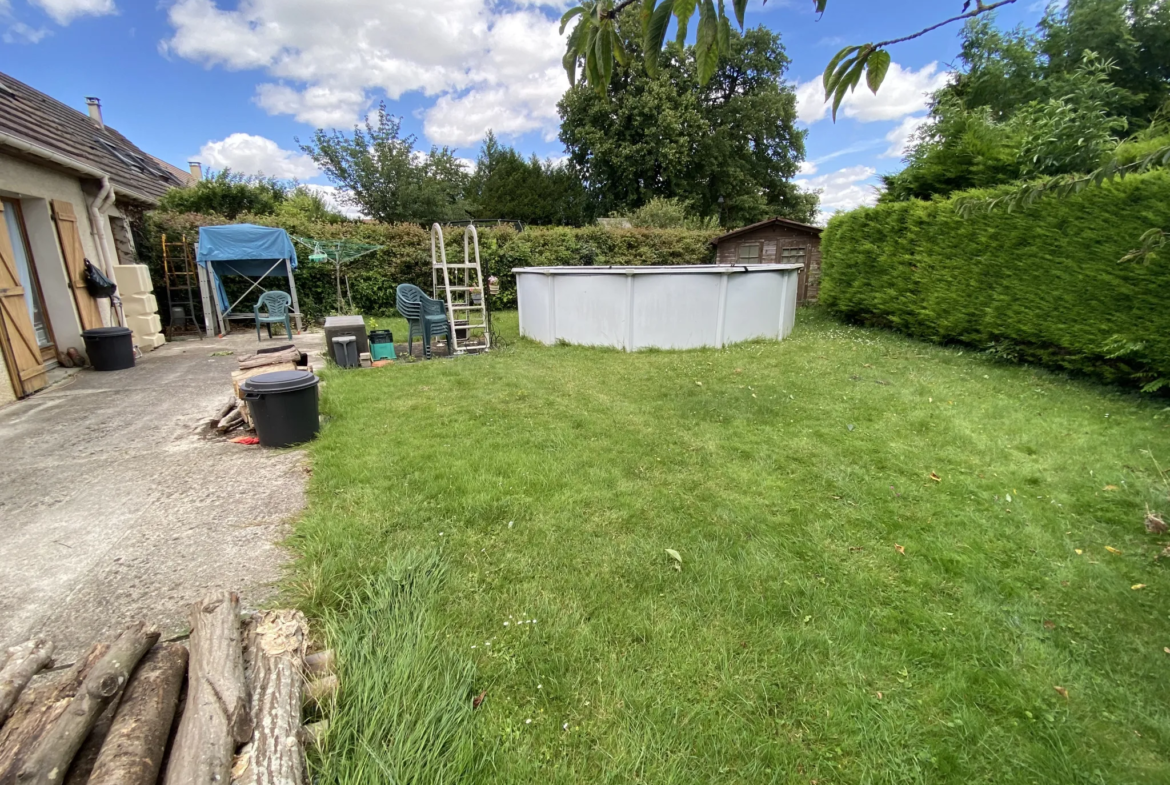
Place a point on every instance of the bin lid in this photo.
(106, 332)
(345, 339)
(280, 382)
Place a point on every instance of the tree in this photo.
(596, 43)
(668, 135)
(982, 146)
(228, 194)
(508, 185)
(379, 171)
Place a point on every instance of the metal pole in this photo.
(292, 289)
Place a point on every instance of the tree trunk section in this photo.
(216, 719)
(23, 662)
(49, 761)
(276, 644)
(37, 710)
(134, 747)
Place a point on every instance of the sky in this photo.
(237, 82)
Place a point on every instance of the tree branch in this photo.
(979, 9)
(622, 6)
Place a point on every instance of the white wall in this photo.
(36, 186)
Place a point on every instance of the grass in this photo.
(841, 616)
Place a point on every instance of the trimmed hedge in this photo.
(1042, 284)
(406, 255)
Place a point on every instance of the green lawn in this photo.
(526, 500)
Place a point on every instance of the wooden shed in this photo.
(776, 241)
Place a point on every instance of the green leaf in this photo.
(569, 61)
(604, 53)
(831, 75)
(656, 34)
(849, 79)
(706, 42)
(683, 10)
(724, 38)
(875, 70)
(577, 10)
(740, 8)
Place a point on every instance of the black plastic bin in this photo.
(109, 348)
(283, 406)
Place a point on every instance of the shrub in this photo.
(406, 254)
(1041, 284)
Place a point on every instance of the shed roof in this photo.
(786, 222)
(32, 116)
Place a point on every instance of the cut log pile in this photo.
(233, 414)
(227, 707)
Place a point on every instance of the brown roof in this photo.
(46, 122)
(770, 222)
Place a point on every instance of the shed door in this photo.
(74, 254)
(22, 355)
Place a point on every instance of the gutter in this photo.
(65, 162)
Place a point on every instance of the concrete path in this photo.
(112, 507)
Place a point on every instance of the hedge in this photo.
(1042, 284)
(406, 254)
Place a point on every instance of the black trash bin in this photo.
(283, 406)
(109, 348)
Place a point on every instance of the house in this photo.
(70, 186)
(776, 241)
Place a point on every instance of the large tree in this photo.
(663, 132)
(380, 172)
(1048, 102)
(508, 185)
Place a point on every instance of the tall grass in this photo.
(403, 714)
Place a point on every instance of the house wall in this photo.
(772, 241)
(36, 187)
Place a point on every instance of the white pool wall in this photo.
(667, 307)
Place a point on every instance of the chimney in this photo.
(95, 110)
(196, 169)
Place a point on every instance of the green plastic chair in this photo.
(424, 314)
(277, 305)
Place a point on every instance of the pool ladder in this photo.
(459, 285)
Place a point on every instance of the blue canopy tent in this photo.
(254, 252)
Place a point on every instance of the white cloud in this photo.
(841, 190)
(489, 64)
(807, 168)
(20, 33)
(902, 136)
(256, 155)
(65, 11)
(905, 91)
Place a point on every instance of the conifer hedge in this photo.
(406, 254)
(1042, 284)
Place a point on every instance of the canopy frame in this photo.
(213, 310)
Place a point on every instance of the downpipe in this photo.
(97, 224)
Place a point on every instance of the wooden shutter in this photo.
(74, 254)
(17, 339)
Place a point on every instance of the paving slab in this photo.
(114, 507)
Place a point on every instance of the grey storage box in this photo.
(345, 351)
(347, 325)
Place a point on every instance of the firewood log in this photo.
(318, 693)
(38, 708)
(23, 662)
(320, 663)
(49, 761)
(216, 719)
(276, 643)
(133, 750)
(283, 354)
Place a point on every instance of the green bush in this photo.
(1042, 284)
(406, 254)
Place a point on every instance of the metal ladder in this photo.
(179, 275)
(459, 285)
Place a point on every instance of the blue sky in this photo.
(234, 82)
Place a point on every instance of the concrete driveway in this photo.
(112, 507)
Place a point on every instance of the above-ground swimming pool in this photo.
(670, 307)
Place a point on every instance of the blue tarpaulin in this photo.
(243, 249)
